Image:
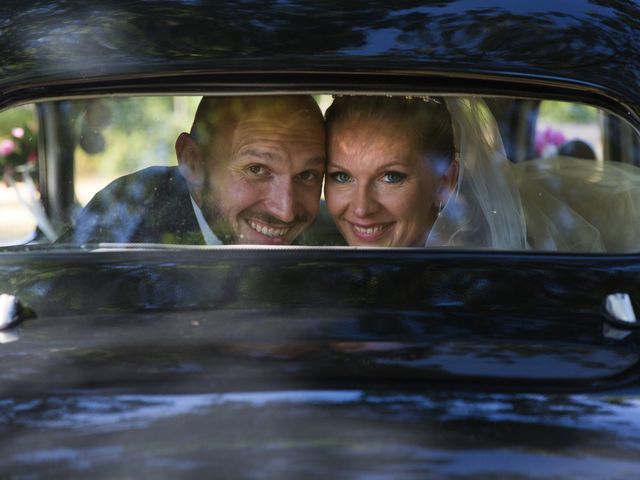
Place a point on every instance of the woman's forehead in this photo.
(373, 133)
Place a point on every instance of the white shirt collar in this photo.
(209, 237)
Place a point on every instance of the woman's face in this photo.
(379, 189)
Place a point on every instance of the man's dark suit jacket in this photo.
(153, 206)
(149, 206)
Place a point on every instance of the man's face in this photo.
(263, 173)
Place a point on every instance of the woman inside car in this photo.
(420, 171)
(391, 168)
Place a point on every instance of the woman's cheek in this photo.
(330, 198)
(336, 199)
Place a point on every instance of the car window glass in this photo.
(569, 129)
(501, 173)
(118, 136)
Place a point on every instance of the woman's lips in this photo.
(369, 233)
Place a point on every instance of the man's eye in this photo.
(256, 169)
(307, 175)
(393, 177)
(340, 177)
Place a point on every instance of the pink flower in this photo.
(548, 141)
(7, 147)
(17, 132)
(555, 137)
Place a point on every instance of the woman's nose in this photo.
(364, 201)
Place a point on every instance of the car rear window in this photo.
(319, 170)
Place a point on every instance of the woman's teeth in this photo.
(369, 230)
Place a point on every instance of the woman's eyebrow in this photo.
(335, 166)
(386, 166)
(393, 164)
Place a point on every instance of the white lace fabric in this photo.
(484, 210)
(579, 205)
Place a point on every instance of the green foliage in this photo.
(567, 112)
(127, 134)
(17, 117)
(18, 139)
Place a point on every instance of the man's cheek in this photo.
(240, 196)
(313, 200)
(309, 192)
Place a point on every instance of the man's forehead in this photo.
(278, 109)
(228, 122)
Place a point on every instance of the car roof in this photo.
(588, 44)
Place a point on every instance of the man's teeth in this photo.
(369, 230)
(268, 231)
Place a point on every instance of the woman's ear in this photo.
(190, 162)
(448, 181)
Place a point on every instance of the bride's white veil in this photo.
(553, 204)
(484, 210)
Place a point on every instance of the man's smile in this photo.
(265, 229)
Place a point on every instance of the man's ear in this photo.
(448, 181)
(190, 161)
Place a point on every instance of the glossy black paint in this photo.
(522, 308)
(590, 44)
(342, 434)
(287, 363)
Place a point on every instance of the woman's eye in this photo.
(393, 177)
(340, 177)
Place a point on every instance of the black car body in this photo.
(304, 362)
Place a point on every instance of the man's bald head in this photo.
(216, 117)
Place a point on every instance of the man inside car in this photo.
(249, 172)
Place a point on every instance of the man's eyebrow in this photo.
(269, 156)
(314, 161)
(263, 154)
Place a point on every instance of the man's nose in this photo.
(281, 201)
(364, 201)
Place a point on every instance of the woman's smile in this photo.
(370, 232)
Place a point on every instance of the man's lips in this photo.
(268, 230)
(369, 232)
